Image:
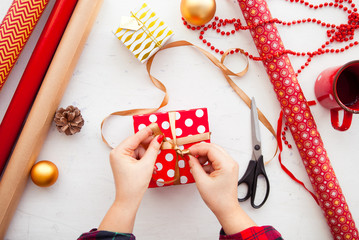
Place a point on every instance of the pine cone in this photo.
(69, 120)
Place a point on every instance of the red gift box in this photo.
(185, 124)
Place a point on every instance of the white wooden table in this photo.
(108, 78)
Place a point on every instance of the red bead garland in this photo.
(335, 33)
(284, 138)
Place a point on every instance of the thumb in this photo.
(196, 169)
(152, 150)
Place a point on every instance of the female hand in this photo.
(217, 184)
(132, 165)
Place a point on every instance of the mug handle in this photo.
(347, 119)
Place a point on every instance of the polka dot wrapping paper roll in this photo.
(188, 122)
(301, 122)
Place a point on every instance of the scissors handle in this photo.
(258, 172)
(248, 179)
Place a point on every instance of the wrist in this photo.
(120, 217)
(128, 205)
(234, 220)
(130, 199)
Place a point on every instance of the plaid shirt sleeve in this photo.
(254, 233)
(105, 235)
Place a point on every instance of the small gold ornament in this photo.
(44, 173)
(198, 12)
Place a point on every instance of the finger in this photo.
(202, 160)
(147, 141)
(152, 151)
(133, 141)
(141, 149)
(205, 149)
(139, 152)
(197, 170)
(216, 155)
(208, 168)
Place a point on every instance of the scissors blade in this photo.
(256, 140)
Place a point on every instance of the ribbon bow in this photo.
(176, 142)
(145, 29)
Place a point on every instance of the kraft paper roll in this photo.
(34, 73)
(301, 122)
(15, 30)
(39, 120)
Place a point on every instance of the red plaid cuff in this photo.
(254, 233)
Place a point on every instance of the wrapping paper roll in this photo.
(41, 115)
(301, 122)
(33, 75)
(15, 30)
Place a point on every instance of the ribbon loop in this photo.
(220, 64)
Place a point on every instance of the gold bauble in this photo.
(44, 173)
(198, 12)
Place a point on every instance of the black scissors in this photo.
(256, 165)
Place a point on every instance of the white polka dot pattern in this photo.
(169, 157)
(141, 126)
(301, 122)
(160, 182)
(183, 179)
(165, 125)
(181, 164)
(178, 132)
(153, 118)
(159, 166)
(188, 123)
(201, 129)
(199, 113)
(171, 173)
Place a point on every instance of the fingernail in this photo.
(196, 156)
(160, 139)
(186, 157)
(155, 169)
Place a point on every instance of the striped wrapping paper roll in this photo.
(15, 30)
(301, 122)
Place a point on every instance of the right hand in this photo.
(217, 184)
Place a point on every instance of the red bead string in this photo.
(335, 33)
(284, 138)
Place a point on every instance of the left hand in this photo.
(133, 165)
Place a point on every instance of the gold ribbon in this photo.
(220, 64)
(175, 142)
(146, 30)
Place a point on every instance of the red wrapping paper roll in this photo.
(301, 122)
(33, 75)
(15, 30)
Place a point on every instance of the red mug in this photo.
(337, 88)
